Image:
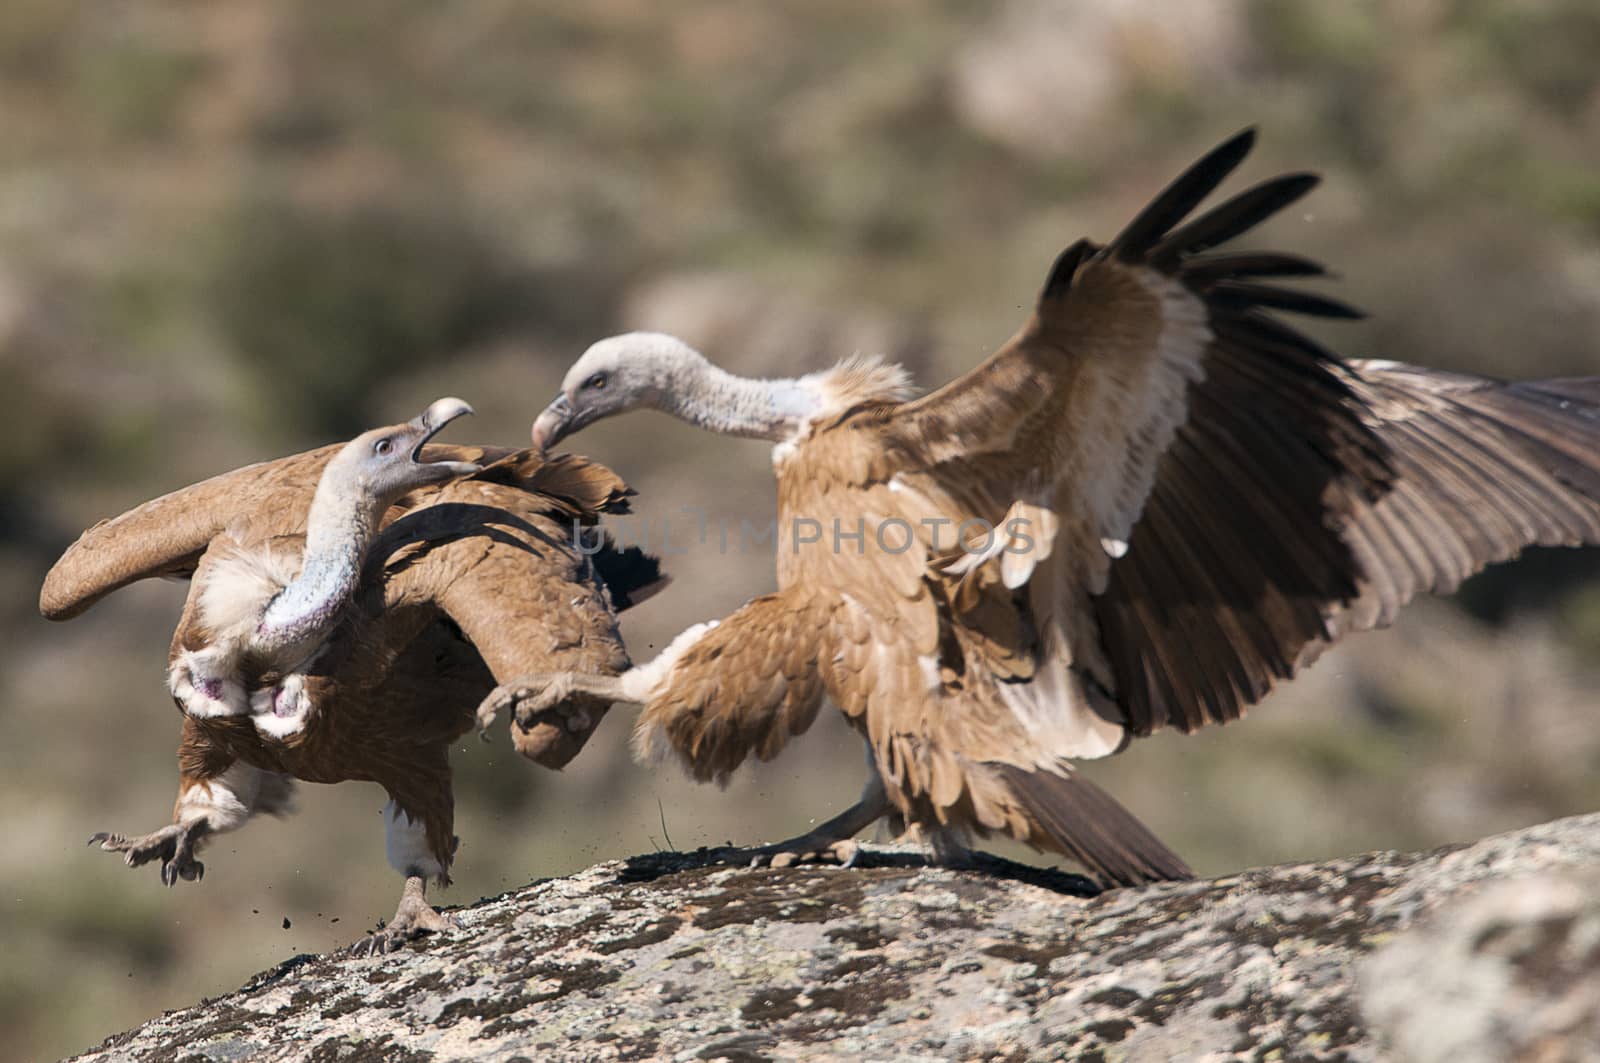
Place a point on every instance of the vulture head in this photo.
(385, 463)
(628, 372)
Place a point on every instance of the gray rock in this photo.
(1510, 971)
(675, 956)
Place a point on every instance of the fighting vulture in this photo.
(348, 609)
(1154, 502)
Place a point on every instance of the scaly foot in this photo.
(414, 918)
(526, 696)
(532, 696)
(174, 845)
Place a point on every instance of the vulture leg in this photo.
(174, 845)
(533, 695)
(418, 853)
(207, 804)
(830, 840)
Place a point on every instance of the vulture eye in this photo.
(383, 446)
(597, 381)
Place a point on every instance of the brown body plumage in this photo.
(468, 580)
(1186, 499)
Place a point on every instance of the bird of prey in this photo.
(352, 605)
(1151, 504)
(268, 606)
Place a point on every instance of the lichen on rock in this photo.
(691, 956)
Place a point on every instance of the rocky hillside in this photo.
(1487, 952)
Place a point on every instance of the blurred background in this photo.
(234, 229)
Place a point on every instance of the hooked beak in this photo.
(429, 423)
(554, 423)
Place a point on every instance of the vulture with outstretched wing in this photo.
(1149, 506)
(409, 578)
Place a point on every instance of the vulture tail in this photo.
(630, 574)
(1072, 816)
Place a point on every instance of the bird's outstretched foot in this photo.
(174, 845)
(527, 697)
(807, 850)
(414, 918)
(544, 697)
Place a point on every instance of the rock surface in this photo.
(678, 956)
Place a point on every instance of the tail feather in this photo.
(630, 574)
(1073, 816)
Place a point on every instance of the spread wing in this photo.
(167, 535)
(1224, 497)
(1239, 573)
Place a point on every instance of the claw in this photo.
(174, 845)
(499, 698)
(526, 697)
(414, 918)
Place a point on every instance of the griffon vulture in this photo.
(412, 577)
(269, 606)
(1154, 502)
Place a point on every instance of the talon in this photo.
(173, 845)
(489, 708)
(414, 918)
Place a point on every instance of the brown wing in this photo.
(1241, 571)
(167, 535)
(1263, 497)
(507, 556)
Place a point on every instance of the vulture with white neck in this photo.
(348, 609)
(1153, 503)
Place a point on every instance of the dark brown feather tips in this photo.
(1180, 197)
